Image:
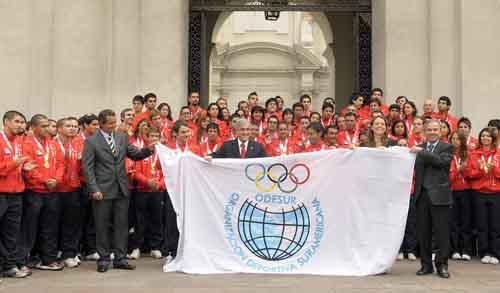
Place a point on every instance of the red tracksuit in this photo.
(49, 160)
(11, 180)
(480, 180)
(73, 165)
(207, 148)
(278, 148)
(146, 170)
(458, 179)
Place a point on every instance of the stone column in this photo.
(480, 63)
(81, 51)
(444, 50)
(15, 54)
(401, 63)
(125, 48)
(164, 50)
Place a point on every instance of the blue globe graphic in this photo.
(273, 235)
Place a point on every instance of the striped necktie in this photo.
(111, 144)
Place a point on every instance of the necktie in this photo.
(112, 146)
(430, 148)
(243, 151)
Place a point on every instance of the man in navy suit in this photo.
(241, 147)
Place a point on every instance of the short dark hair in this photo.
(213, 125)
(268, 101)
(138, 98)
(354, 96)
(104, 114)
(465, 120)
(377, 89)
(327, 105)
(446, 99)
(394, 106)
(297, 105)
(122, 113)
(252, 94)
(37, 118)
(305, 96)
(9, 115)
(178, 124)
(87, 119)
(149, 95)
(331, 126)
(316, 127)
(258, 109)
(494, 123)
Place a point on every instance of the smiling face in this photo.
(379, 127)
(433, 131)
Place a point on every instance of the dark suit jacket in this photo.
(104, 172)
(231, 149)
(432, 171)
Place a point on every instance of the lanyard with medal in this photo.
(153, 164)
(213, 149)
(14, 149)
(487, 162)
(45, 153)
(284, 147)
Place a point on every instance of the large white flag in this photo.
(338, 212)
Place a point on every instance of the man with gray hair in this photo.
(433, 199)
(241, 147)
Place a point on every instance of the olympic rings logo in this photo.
(278, 176)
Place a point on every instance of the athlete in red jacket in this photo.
(41, 201)
(481, 170)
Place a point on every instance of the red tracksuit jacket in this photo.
(49, 160)
(11, 179)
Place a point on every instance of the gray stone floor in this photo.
(466, 277)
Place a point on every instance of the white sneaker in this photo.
(433, 257)
(168, 259)
(111, 256)
(486, 259)
(70, 263)
(456, 256)
(466, 257)
(156, 254)
(401, 256)
(59, 254)
(93, 256)
(412, 257)
(136, 253)
(493, 260)
(78, 259)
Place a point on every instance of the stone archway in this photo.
(281, 68)
(350, 23)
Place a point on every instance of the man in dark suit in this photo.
(433, 199)
(241, 147)
(103, 163)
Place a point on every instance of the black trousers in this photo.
(433, 218)
(149, 220)
(171, 233)
(11, 209)
(70, 224)
(87, 228)
(111, 218)
(40, 221)
(461, 223)
(488, 224)
(409, 244)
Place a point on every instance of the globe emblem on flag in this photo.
(273, 235)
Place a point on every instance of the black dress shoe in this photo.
(425, 271)
(123, 265)
(443, 272)
(102, 268)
